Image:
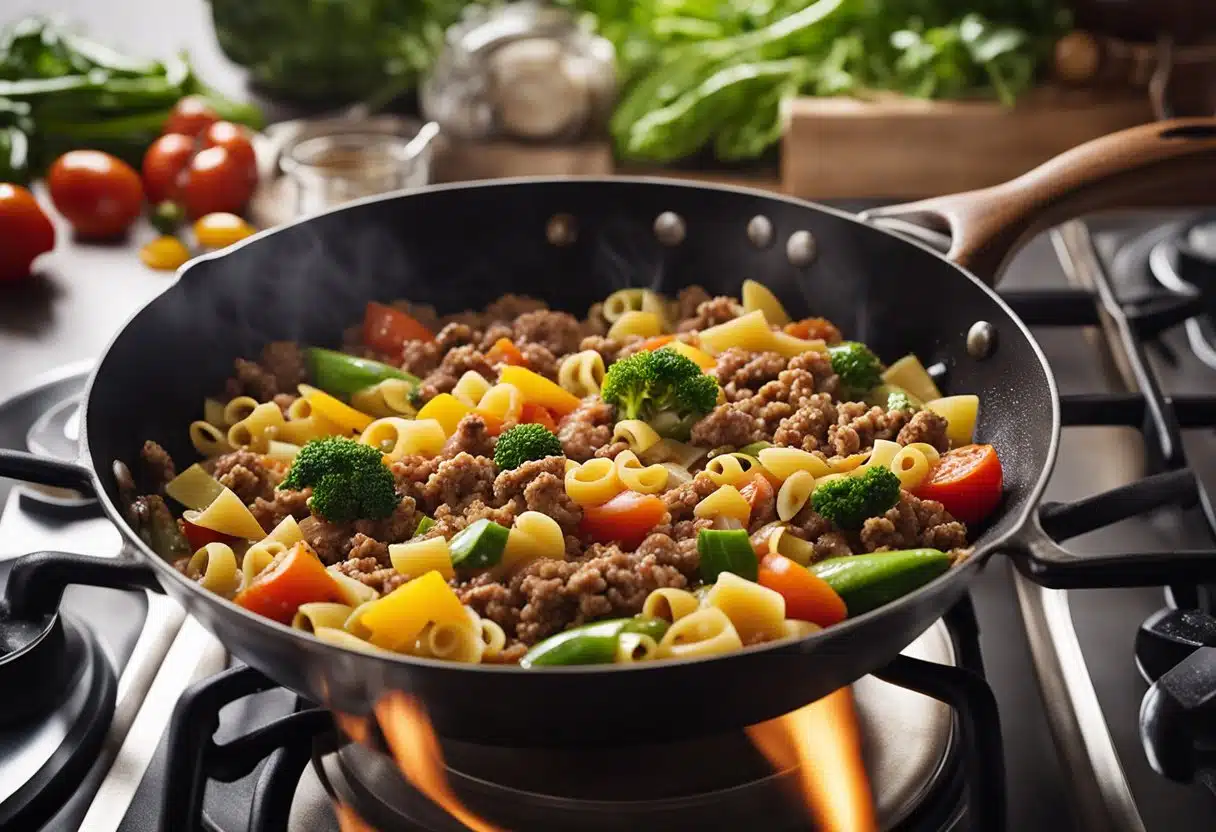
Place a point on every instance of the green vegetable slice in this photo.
(424, 525)
(726, 550)
(591, 643)
(866, 582)
(341, 375)
(479, 545)
(753, 449)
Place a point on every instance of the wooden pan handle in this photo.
(1163, 164)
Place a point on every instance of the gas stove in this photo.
(1023, 708)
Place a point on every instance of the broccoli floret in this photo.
(524, 442)
(849, 501)
(899, 400)
(858, 368)
(349, 480)
(660, 381)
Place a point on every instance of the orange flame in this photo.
(823, 740)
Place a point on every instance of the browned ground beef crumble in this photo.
(790, 402)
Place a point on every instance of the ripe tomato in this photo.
(234, 139)
(97, 193)
(627, 517)
(216, 181)
(385, 329)
(190, 116)
(25, 232)
(163, 165)
(967, 481)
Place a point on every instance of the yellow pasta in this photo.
(417, 557)
(848, 464)
(395, 437)
(471, 387)
(533, 535)
(228, 514)
(345, 417)
(757, 296)
(299, 409)
(390, 397)
(354, 622)
(287, 532)
(282, 451)
(828, 478)
(911, 467)
(635, 647)
(239, 409)
(733, 468)
(782, 462)
(504, 401)
(312, 426)
(725, 501)
(445, 409)
(794, 493)
(213, 413)
(790, 346)
(880, 456)
(783, 542)
(911, 375)
(194, 488)
(217, 565)
(706, 632)
(451, 641)
(640, 436)
(624, 301)
(928, 450)
(670, 604)
(594, 482)
(320, 614)
(341, 638)
(255, 431)
(750, 332)
(353, 592)
(757, 612)
(582, 373)
(960, 413)
(793, 628)
(258, 556)
(651, 479)
(636, 323)
(493, 639)
(397, 620)
(208, 440)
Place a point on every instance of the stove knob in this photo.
(1178, 718)
(1168, 637)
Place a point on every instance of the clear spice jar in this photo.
(524, 71)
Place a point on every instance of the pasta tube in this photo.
(228, 515)
(793, 494)
(397, 438)
(418, 557)
(216, 563)
(757, 296)
(194, 488)
(534, 535)
(706, 632)
(582, 373)
(594, 482)
(636, 324)
(726, 501)
(208, 440)
(782, 462)
(640, 436)
(316, 614)
(471, 387)
(670, 604)
(651, 479)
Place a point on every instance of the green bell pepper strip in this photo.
(424, 525)
(866, 582)
(591, 643)
(753, 449)
(341, 375)
(479, 545)
(726, 550)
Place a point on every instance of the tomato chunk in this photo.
(627, 517)
(807, 596)
(534, 413)
(295, 578)
(200, 536)
(504, 351)
(967, 481)
(386, 329)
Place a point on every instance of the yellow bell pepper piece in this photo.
(447, 410)
(699, 357)
(758, 296)
(340, 413)
(539, 390)
(396, 620)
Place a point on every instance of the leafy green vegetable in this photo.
(858, 368)
(524, 442)
(849, 501)
(349, 480)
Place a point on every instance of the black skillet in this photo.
(572, 242)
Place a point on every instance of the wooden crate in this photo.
(904, 148)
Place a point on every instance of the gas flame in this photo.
(823, 741)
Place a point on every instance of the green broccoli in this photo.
(858, 368)
(524, 442)
(349, 480)
(849, 501)
(900, 400)
(660, 382)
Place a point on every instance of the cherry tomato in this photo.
(627, 517)
(97, 193)
(190, 116)
(385, 329)
(164, 165)
(25, 232)
(216, 181)
(200, 536)
(234, 139)
(967, 481)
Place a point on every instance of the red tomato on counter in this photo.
(25, 232)
(100, 195)
(212, 170)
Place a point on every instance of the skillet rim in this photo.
(982, 550)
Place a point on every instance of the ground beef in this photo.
(778, 399)
(492, 333)
(925, 426)
(608, 348)
(459, 481)
(455, 335)
(368, 562)
(559, 332)
(858, 425)
(682, 499)
(539, 485)
(808, 427)
(764, 509)
(611, 450)
(284, 401)
(741, 373)
(587, 429)
(712, 312)
(396, 528)
(283, 504)
(455, 363)
(251, 476)
(412, 472)
(280, 370)
(727, 424)
(547, 596)
(331, 541)
(448, 522)
(687, 301)
(337, 542)
(913, 522)
(420, 357)
(471, 437)
(366, 548)
(157, 465)
(509, 307)
(540, 359)
(820, 368)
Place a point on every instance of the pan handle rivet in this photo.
(981, 340)
(561, 230)
(800, 248)
(669, 228)
(760, 231)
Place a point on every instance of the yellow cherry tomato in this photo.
(221, 229)
(164, 253)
